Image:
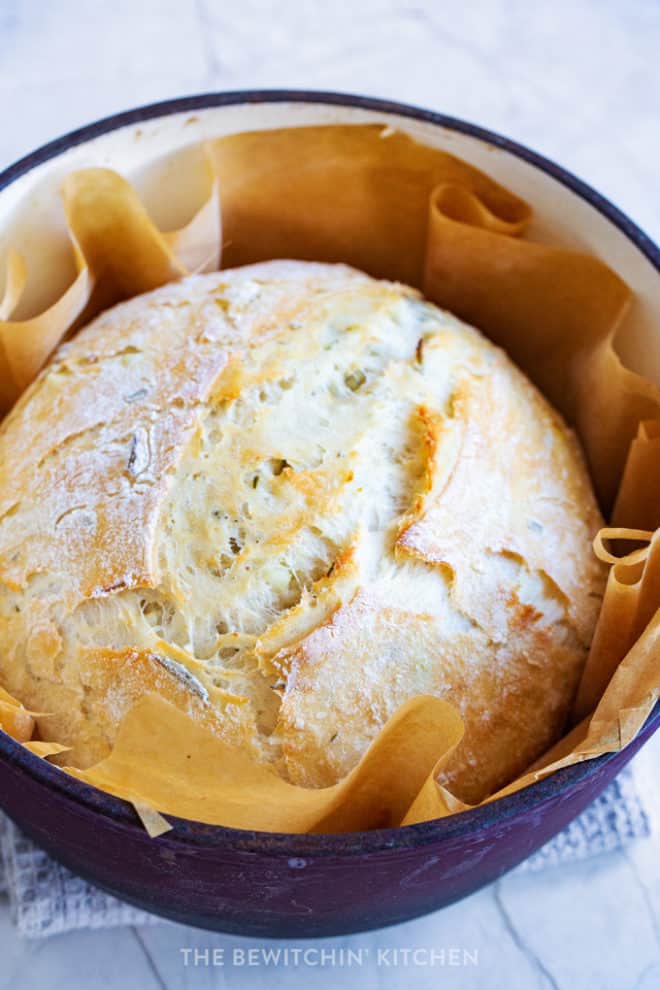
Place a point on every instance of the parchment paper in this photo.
(373, 197)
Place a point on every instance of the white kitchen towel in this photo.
(46, 899)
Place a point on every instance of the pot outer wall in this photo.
(313, 887)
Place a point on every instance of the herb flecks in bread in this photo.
(289, 497)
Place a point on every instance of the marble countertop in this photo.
(577, 80)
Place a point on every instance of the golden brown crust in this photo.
(349, 675)
(288, 498)
(504, 479)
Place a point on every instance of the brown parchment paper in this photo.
(375, 198)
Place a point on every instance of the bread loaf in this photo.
(289, 497)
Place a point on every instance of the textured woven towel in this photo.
(46, 899)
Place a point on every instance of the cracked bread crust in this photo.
(289, 497)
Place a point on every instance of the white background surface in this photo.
(577, 80)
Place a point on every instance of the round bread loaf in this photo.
(289, 497)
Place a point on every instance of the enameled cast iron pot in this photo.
(260, 883)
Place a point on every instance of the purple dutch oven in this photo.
(268, 884)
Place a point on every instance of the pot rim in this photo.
(294, 845)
